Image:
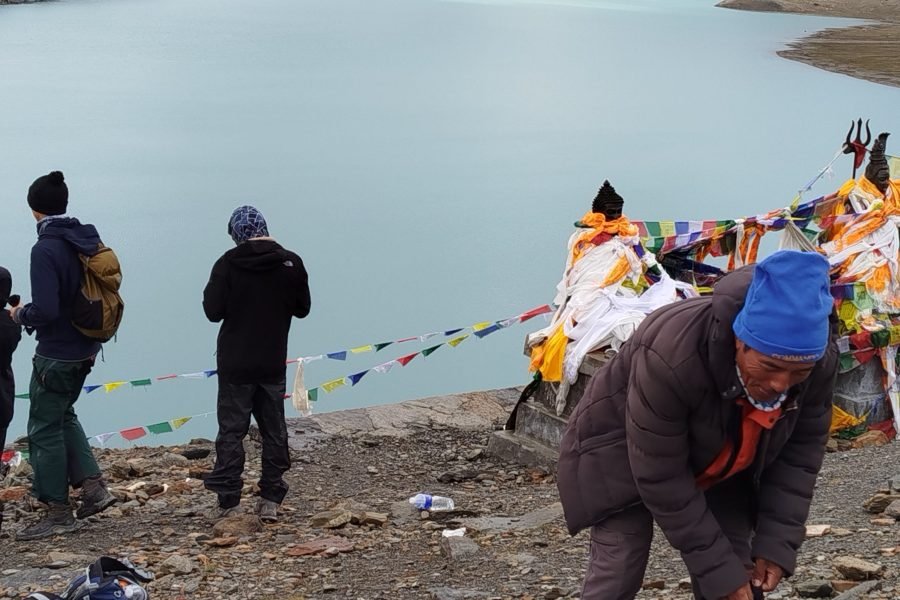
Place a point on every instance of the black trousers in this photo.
(236, 403)
(7, 402)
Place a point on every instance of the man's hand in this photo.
(766, 574)
(13, 310)
(742, 593)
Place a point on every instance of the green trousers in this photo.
(60, 453)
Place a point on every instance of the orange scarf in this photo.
(598, 224)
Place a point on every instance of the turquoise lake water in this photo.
(426, 159)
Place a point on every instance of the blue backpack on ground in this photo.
(106, 579)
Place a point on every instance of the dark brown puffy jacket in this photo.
(658, 414)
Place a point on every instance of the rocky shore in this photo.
(865, 51)
(348, 531)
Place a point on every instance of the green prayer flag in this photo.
(23, 396)
(382, 346)
(653, 228)
(140, 382)
(847, 363)
(431, 350)
(164, 427)
(313, 394)
(880, 339)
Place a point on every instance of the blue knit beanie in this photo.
(246, 222)
(785, 313)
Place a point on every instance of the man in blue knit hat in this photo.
(712, 422)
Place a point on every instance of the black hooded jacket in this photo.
(56, 275)
(255, 289)
(10, 334)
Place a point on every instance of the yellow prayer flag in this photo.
(847, 311)
(895, 335)
(480, 326)
(667, 228)
(108, 387)
(361, 349)
(457, 340)
(177, 423)
(894, 164)
(330, 386)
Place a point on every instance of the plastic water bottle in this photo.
(432, 503)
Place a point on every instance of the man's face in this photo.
(765, 377)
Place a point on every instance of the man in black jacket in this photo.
(255, 289)
(60, 453)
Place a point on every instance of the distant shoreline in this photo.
(866, 51)
(863, 51)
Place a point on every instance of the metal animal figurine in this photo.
(857, 147)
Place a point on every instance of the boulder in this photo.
(856, 569)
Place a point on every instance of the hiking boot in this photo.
(217, 513)
(267, 510)
(57, 521)
(94, 497)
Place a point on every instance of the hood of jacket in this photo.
(5, 286)
(258, 255)
(84, 238)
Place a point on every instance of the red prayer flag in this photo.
(404, 360)
(534, 312)
(133, 433)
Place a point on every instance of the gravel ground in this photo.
(527, 555)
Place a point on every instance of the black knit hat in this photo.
(608, 201)
(48, 194)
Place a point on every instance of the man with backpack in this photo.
(60, 453)
(255, 289)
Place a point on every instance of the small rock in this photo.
(458, 475)
(840, 532)
(883, 522)
(371, 470)
(373, 518)
(856, 569)
(879, 502)
(221, 542)
(176, 565)
(814, 531)
(475, 454)
(658, 584)
(859, 591)
(332, 519)
(842, 585)
(893, 509)
(195, 452)
(831, 445)
(456, 548)
(170, 459)
(685, 584)
(237, 525)
(814, 588)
